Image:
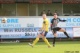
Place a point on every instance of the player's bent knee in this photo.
(62, 30)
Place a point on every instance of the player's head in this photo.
(55, 15)
(44, 16)
(4, 20)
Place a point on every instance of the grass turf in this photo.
(41, 47)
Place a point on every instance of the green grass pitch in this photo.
(41, 47)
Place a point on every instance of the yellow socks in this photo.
(35, 41)
(46, 41)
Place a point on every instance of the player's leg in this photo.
(63, 30)
(55, 35)
(35, 41)
(45, 40)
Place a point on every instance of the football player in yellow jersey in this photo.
(42, 32)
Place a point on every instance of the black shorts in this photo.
(56, 29)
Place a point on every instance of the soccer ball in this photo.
(4, 20)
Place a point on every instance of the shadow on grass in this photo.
(39, 43)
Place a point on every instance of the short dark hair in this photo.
(55, 14)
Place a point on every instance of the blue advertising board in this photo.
(22, 27)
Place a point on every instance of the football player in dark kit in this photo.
(54, 27)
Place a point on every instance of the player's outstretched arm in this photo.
(62, 20)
